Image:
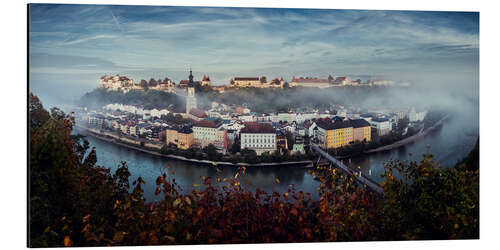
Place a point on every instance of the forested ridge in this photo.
(261, 100)
(75, 202)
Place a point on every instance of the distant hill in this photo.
(148, 99)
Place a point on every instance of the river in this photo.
(449, 144)
(186, 174)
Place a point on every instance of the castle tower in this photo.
(205, 81)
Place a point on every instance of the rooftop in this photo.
(198, 113)
(205, 124)
(327, 124)
(257, 128)
(246, 78)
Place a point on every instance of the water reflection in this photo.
(186, 174)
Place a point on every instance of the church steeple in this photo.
(190, 76)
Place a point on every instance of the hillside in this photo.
(148, 99)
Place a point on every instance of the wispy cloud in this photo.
(86, 39)
(243, 40)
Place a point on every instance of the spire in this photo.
(190, 75)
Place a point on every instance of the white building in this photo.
(260, 137)
(416, 116)
(382, 125)
(205, 132)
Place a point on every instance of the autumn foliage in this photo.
(74, 202)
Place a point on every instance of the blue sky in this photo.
(154, 41)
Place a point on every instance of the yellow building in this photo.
(172, 136)
(342, 133)
(183, 138)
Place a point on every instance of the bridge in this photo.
(358, 177)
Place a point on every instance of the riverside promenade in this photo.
(420, 134)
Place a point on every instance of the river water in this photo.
(450, 143)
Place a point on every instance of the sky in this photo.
(75, 44)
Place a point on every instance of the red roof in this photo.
(198, 113)
(258, 128)
(205, 124)
(184, 82)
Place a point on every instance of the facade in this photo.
(190, 99)
(164, 85)
(115, 82)
(341, 132)
(183, 138)
(260, 137)
(298, 146)
(190, 92)
(205, 132)
(96, 121)
(246, 82)
(310, 82)
(416, 116)
(382, 125)
(362, 131)
(221, 139)
(341, 80)
(205, 81)
(281, 141)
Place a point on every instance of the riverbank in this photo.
(94, 133)
(413, 138)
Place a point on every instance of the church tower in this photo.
(190, 97)
(190, 76)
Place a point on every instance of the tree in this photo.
(152, 83)
(330, 78)
(249, 155)
(263, 79)
(211, 152)
(236, 147)
(444, 202)
(143, 83)
(402, 124)
(38, 115)
(290, 140)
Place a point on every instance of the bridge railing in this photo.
(360, 179)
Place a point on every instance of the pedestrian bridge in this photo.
(358, 177)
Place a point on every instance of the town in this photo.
(230, 129)
(125, 84)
